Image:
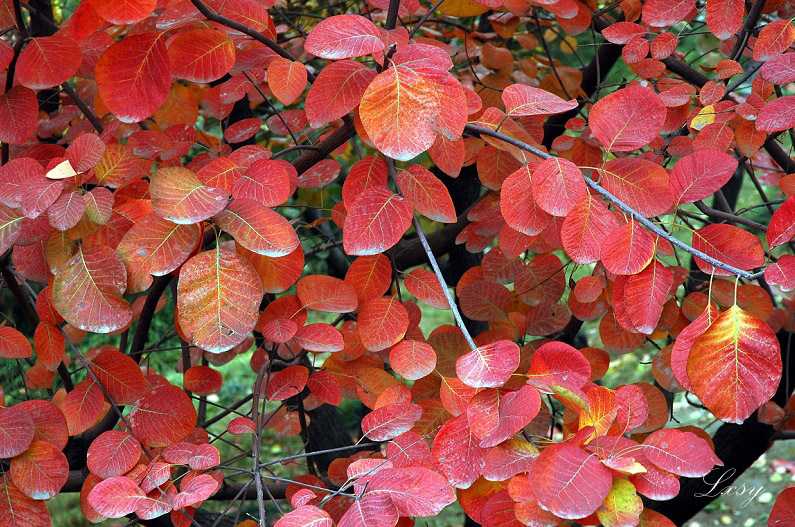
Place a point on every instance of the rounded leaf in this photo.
(41, 471)
(134, 77)
(113, 453)
(258, 228)
(218, 297)
(87, 290)
(375, 222)
(201, 55)
(164, 417)
(342, 37)
(627, 119)
(47, 61)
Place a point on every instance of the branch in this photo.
(212, 15)
(474, 129)
(443, 284)
(159, 285)
(392, 14)
(91, 116)
(728, 216)
(748, 27)
(339, 137)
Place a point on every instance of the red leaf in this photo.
(735, 365)
(154, 246)
(375, 222)
(202, 380)
(664, 13)
(19, 510)
(558, 364)
(679, 452)
(320, 338)
(287, 382)
(83, 407)
(777, 115)
(48, 422)
(286, 79)
(382, 322)
(783, 512)
(426, 193)
(325, 387)
(41, 471)
(700, 174)
(782, 273)
(627, 249)
(424, 285)
(336, 91)
(405, 106)
(725, 17)
(779, 70)
(218, 297)
(17, 430)
(258, 228)
(584, 230)
(495, 417)
(729, 244)
(370, 276)
(412, 359)
(113, 453)
(120, 375)
(127, 12)
(305, 516)
(457, 451)
(195, 491)
(179, 196)
(47, 61)
(267, 181)
(326, 293)
(622, 32)
(558, 186)
(415, 491)
(342, 37)
(627, 119)
(19, 115)
(116, 497)
(163, 417)
(520, 211)
(87, 291)
(67, 211)
(646, 294)
(570, 482)
(133, 76)
(390, 421)
(522, 100)
(371, 510)
(488, 366)
(639, 183)
(13, 344)
(773, 40)
(370, 171)
(201, 55)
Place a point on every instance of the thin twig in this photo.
(90, 115)
(443, 284)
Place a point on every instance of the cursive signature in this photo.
(750, 492)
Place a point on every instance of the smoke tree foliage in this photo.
(295, 186)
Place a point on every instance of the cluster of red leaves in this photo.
(101, 204)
